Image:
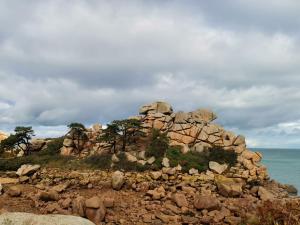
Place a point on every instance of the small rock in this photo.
(130, 157)
(166, 162)
(14, 191)
(155, 174)
(193, 171)
(291, 189)
(115, 158)
(93, 202)
(27, 169)
(118, 180)
(264, 194)
(180, 200)
(206, 202)
(60, 188)
(109, 202)
(48, 196)
(66, 203)
(217, 168)
(151, 160)
(96, 215)
(78, 206)
(147, 218)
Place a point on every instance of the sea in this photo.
(283, 165)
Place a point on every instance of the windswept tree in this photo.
(20, 139)
(110, 136)
(123, 131)
(78, 134)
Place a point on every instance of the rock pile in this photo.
(194, 131)
(83, 147)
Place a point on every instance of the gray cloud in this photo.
(90, 61)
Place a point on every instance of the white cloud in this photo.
(96, 61)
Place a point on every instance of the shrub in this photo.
(98, 161)
(53, 147)
(187, 161)
(221, 156)
(13, 164)
(159, 143)
(201, 160)
(125, 165)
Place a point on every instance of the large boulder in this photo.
(156, 107)
(217, 168)
(203, 115)
(229, 187)
(37, 144)
(27, 169)
(118, 180)
(23, 218)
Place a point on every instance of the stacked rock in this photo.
(71, 144)
(194, 131)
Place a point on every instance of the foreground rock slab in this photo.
(28, 218)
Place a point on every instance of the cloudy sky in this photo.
(97, 60)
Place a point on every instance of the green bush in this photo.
(98, 161)
(13, 164)
(159, 143)
(201, 160)
(187, 161)
(125, 165)
(221, 156)
(53, 147)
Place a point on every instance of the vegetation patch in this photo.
(187, 161)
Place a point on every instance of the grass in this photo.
(187, 161)
(158, 147)
(198, 160)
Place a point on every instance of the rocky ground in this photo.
(236, 191)
(160, 197)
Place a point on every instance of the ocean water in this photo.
(283, 165)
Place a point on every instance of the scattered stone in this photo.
(229, 187)
(78, 206)
(96, 215)
(115, 158)
(217, 168)
(118, 180)
(66, 203)
(109, 202)
(193, 171)
(206, 202)
(180, 200)
(14, 191)
(157, 193)
(93, 202)
(166, 162)
(6, 180)
(27, 170)
(151, 160)
(130, 158)
(264, 194)
(155, 175)
(291, 189)
(60, 187)
(48, 196)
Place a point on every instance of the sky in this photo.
(98, 60)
